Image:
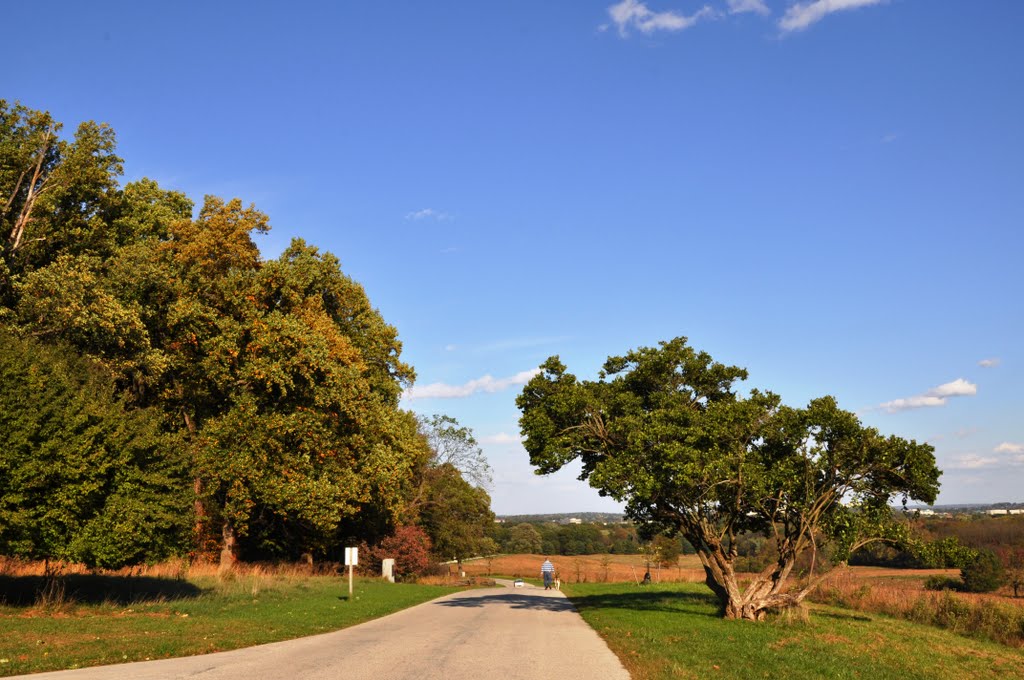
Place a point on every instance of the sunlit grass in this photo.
(675, 631)
(197, 615)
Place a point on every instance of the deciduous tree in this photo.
(524, 538)
(663, 430)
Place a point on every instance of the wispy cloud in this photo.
(1009, 447)
(427, 214)
(742, 6)
(632, 14)
(486, 384)
(962, 433)
(972, 461)
(937, 396)
(890, 138)
(989, 363)
(803, 14)
(501, 438)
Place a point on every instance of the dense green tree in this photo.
(82, 477)
(984, 573)
(524, 538)
(301, 423)
(456, 515)
(280, 378)
(665, 550)
(55, 194)
(663, 430)
(580, 539)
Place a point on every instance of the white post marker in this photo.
(351, 560)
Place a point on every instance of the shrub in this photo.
(409, 546)
(939, 582)
(984, 574)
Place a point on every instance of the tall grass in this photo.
(971, 615)
(590, 568)
(57, 586)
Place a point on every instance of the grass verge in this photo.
(674, 631)
(166, 618)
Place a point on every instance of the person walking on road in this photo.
(547, 572)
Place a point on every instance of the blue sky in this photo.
(828, 192)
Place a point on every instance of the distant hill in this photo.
(968, 507)
(564, 517)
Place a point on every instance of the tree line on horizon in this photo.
(166, 390)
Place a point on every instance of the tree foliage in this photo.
(457, 515)
(664, 430)
(524, 538)
(984, 573)
(409, 546)
(82, 477)
(454, 444)
(277, 379)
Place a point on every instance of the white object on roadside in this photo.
(518, 583)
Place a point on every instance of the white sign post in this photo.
(351, 560)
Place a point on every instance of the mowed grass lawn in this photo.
(159, 618)
(674, 631)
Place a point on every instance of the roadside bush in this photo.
(409, 546)
(939, 582)
(984, 574)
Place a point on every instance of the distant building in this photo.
(999, 511)
(575, 520)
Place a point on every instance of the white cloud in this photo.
(890, 138)
(487, 383)
(634, 14)
(937, 396)
(741, 6)
(427, 213)
(957, 388)
(989, 363)
(450, 348)
(803, 14)
(501, 438)
(972, 461)
(1009, 447)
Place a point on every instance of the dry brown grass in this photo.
(901, 594)
(589, 568)
(174, 569)
(896, 585)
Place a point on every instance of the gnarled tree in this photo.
(664, 430)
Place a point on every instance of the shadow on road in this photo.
(513, 600)
(24, 591)
(695, 604)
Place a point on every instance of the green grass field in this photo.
(158, 618)
(674, 631)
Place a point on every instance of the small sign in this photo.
(351, 557)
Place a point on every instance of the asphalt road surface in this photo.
(486, 634)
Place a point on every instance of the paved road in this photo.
(486, 634)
